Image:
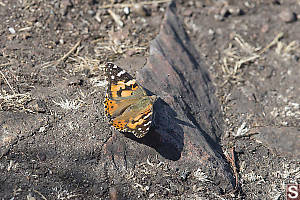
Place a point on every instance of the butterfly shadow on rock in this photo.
(166, 135)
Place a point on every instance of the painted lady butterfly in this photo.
(127, 104)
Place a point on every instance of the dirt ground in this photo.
(52, 125)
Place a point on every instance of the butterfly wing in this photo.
(127, 105)
(121, 84)
(140, 124)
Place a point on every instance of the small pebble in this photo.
(12, 30)
(264, 28)
(287, 16)
(224, 12)
(218, 17)
(26, 36)
(184, 175)
(187, 12)
(126, 10)
(232, 35)
(199, 4)
(234, 10)
(261, 67)
(42, 129)
(91, 12)
(295, 57)
(30, 197)
(191, 3)
(38, 24)
(140, 10)
(130, 52)
(113, 193)
(165, 192)
(155, 6)
(151, 195)
(211, 31)
(249, 4)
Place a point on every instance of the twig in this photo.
(276, 39)
(69, 53)
(244, 60)
(232, 161)
(7, 82)
(5, 64)
(131, 5)
(55, 63)
(116, 18)
(43, 197)
(25, 29)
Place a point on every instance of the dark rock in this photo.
(188, 121)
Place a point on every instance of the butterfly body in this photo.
(127, 105)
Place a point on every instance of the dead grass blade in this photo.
(123, 5)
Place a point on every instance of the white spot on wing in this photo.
(148, 123)
(112, 77)
(115, 66)
(121, 72)
(131, 82)
(148, 115)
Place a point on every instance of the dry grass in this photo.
(117, 46)
(122, 40)
(69, 104)
(234, 58)
(12, 101)
(93, 66)
(147, 169)
(74, 50)
(287, 172)
(15, 102)
(240, 55)
(85, 63)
